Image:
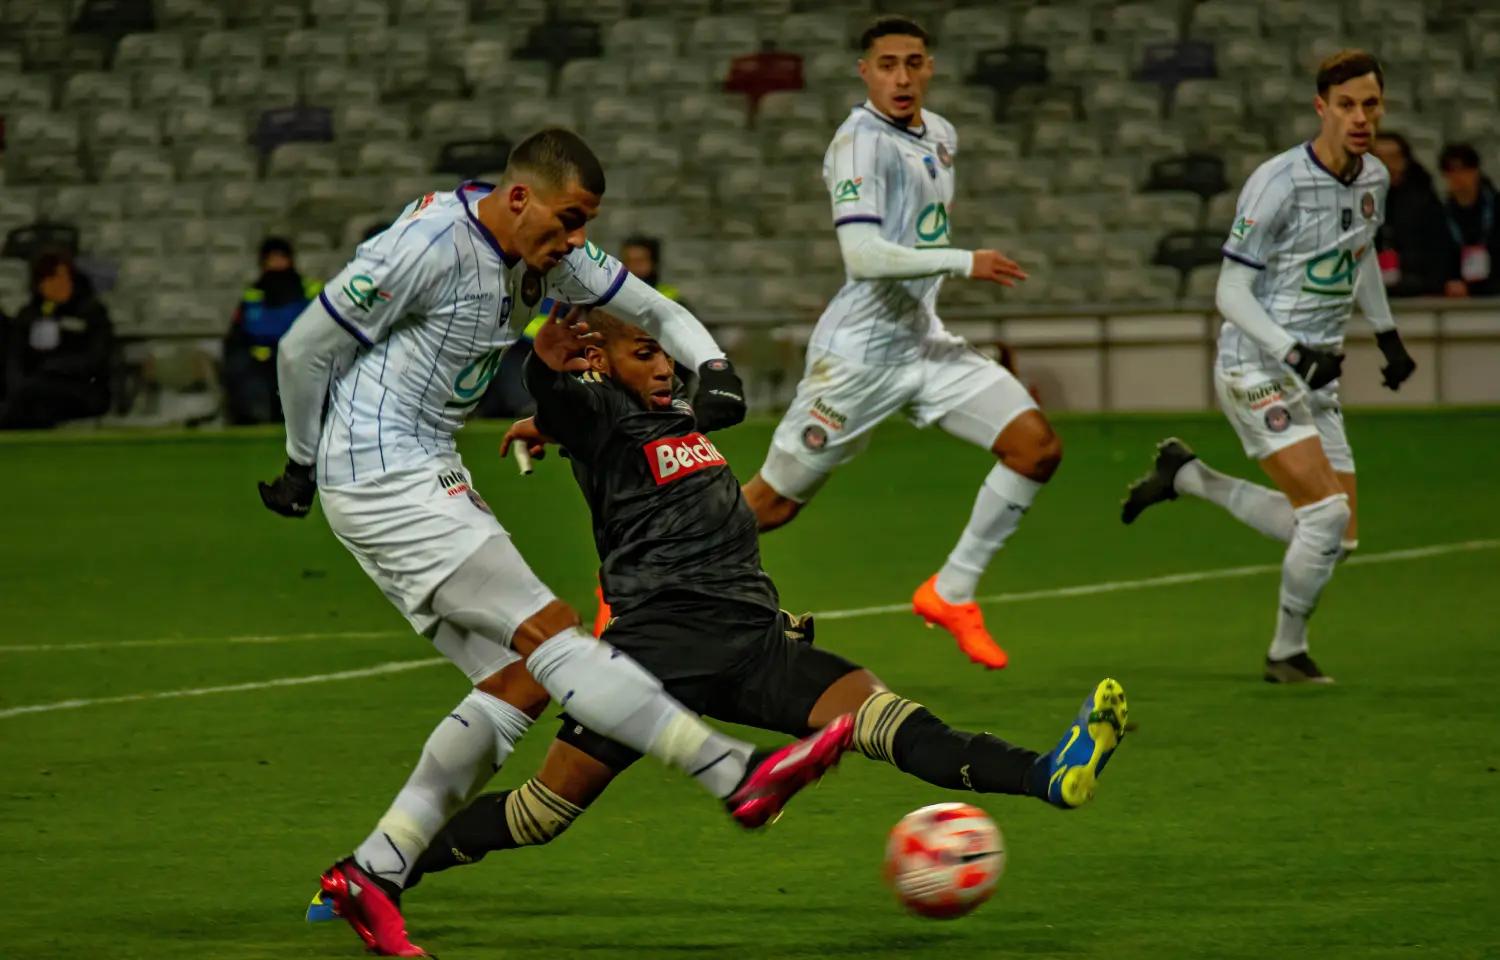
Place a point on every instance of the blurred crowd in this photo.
(59, 360)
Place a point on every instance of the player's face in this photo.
(896, 71)
(551, 222)
(635, 361)
(1351, 111)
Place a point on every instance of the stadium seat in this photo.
(519, 118)
(138, 165)
(302, 160)
(814, 32)
(377, 158)
(28, 92)
(1005, 70)
(1052, 139)
(1058, 214)
(54, 168)
(95, 91)
(124, 238)
(15, 286)
(1149, 138)
(255, 89)
(707, 111)
(150, 51)
(722, 147)
(173, 201)
(1293, 19)
(555, 42)
(1123, 101)
(1186, 250)
(1090, 64)
(1250, 57)
(322, 46)
(1093, 174)
(341, 13)
(113, 18)
(43, 132)
(246, 197)
(16, 208)
(1059, 25)
(1202, 282)
(183, 312)
(643, 147)
(229, 50)
(1199, 174)
(794, 109)
(1159, 211)
(188, 16)
(591, 77)
(1169, 64)
(638, 39)
(23, 243)
(166, 90)
(335, 87)
(78, 204)
(1136, 24)
(1221, 20)
(468, 159)
(108, 129)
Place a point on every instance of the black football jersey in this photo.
(667, 510)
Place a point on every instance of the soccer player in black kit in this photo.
(680, 566)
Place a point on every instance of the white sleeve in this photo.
(869, 256)
(1260, 217)
(683, 335)
(395, 273)
(1369, 293)
(587, 276)
(1235, 298)
(315, 346)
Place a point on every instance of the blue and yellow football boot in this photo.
(1072, 768)
(321, 909)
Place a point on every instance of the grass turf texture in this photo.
(1241, 820)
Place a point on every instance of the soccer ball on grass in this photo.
(944, 860)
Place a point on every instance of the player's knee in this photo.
(542, 626)
(514, 685)
(1035, 456)
(1322, 524)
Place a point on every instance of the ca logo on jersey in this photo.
(847, 191)
(1332, 274)
(593, 252)
(470, 384)
(361, 291)
(932, 226)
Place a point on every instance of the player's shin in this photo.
(462, 753)
(610, 694)
(528, 816)
(1317, 543)
(1262, 509)
(1002, 501)
(894, 730)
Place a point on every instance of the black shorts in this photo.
(729, 661)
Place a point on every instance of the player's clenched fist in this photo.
(720, 400)
(290, 494)
(996, 267)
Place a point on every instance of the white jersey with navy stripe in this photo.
(901, 178)
(1309, 233)
(433, 301)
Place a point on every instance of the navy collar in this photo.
(483, 188)
(1358, 169)
(915, 134)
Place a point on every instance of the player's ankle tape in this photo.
(536, 815)
(876, 723)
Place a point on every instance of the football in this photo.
(944, 860)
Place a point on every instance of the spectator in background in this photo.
(264, 315)
(1414, 249)
(642, 257)
(1471, 216)
(57, 350)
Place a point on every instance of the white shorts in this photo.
(1271, 409)
(840, 401)
(410, 530)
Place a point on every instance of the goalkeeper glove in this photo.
(290, 494)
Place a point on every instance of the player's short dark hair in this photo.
(1344, 66)
(609, 327)
(1458, 156)
(560, 156)
(892, 25)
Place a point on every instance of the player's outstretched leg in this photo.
(1072, 768)
(1178, 470)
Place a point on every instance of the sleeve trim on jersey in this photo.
(614, 287)
(352, 330)
(857, 218)
(1237, 258)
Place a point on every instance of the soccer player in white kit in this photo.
(1300, 254)
(880, 348)
(397, 350)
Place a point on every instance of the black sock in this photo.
(926, 747)
(473, 832)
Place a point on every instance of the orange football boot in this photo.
(963, 620)
(602, 616)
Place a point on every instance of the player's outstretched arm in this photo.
(1235, 298)
(869, 256)
(1369, 293)
(305, 359)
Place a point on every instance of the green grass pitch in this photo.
(1240, 821)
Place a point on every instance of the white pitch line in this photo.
(395, 666)
(197, 641)
(1173, 579)
(1081, 590)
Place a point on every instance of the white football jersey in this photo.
(901, 178)
(433, 301)
(1309, 234)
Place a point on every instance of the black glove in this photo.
(720, 400)
(290, 494)
(1317, 368)
(1399, 366)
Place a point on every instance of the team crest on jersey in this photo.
(531, 287)
(944, 157)
(1346, 218)
(1278, 419)
(1367, 205)
(815, 437)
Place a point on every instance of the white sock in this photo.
(610, 694)
(1310, 558)
(462, 753)
(1002, 502)
(1260, 508)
